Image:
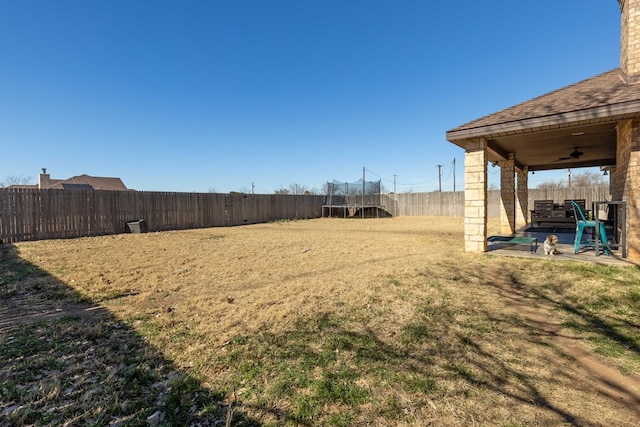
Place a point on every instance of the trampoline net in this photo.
(357, 193)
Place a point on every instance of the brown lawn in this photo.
(358, 322)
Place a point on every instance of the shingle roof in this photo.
(96, 182)
(604, 90)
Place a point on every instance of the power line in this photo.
(449, 175)
(399, 183)
(382, 178)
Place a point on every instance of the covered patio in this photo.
(564, 248)
(595, 122)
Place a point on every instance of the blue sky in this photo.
(222, 95)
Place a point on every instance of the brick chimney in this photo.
(44, 179)
(630, 41)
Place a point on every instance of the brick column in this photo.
(522, 198)
(475, 196)
(507, 196)
(627, 181)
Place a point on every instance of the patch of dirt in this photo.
(606, 380)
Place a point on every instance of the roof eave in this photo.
(608, 113)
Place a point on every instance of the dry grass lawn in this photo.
(318, 322)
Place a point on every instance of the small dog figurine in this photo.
(550, 244)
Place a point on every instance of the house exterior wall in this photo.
(627, 182)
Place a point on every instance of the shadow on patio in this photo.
(565, 247)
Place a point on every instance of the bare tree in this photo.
(295, 189)
(552, 184)
(584, 179)
(298, 189)
(16, 180)
(587, 179)
(326, 186)
(334, 188)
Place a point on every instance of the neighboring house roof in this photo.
(76, 186)
(604, 95)
(22, 186)
(89, 182)
(53, 182)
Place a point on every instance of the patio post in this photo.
(475, 195)
(507, 195)
(522, 198)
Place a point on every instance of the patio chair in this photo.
(581, 223)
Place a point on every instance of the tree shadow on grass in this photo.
(68, 361)
(449, 362)
(333, 371)
(533, 303)
(317, 373)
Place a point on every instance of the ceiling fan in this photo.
(575, 154)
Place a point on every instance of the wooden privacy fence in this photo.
(451, 203)
(32, 214)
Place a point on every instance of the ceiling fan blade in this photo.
(576, 154)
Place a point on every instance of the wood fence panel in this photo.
(31, 214)
(429, 204)
(452, 203)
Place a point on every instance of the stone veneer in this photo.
(522, 198)
(475, 195)
(507, 196)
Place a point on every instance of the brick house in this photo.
(601, 114)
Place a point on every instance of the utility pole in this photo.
(440, 178)
(454, 174)
(395, 200)
(363, 185)
(569, 177)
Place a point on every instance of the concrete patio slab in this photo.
(564, 248)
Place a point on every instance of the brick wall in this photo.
(627, 181)
(630, 40)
